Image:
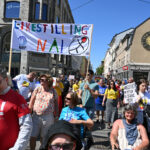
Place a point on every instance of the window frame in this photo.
(6, 42)
(35, 11)
(46, 11)
(6, 2)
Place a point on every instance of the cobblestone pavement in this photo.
(101, 137)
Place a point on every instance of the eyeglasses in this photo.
(67, 98)
(88, 74)
(43, 80)
(66, 146)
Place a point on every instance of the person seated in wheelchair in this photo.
(127, 133)
(74, 114)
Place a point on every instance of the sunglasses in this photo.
(43, 80)
(67, 98)
(66, 146)
(88, 74)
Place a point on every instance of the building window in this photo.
(37, 11)
(12, 9)
(6, 42)
(44, 12)
(57, 20)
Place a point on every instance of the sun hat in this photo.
(64, 127)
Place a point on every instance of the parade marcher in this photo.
(127, 134)
(112, 103)
(99, 100)
(25, 84)
(44, 105)
(122, 92)
(80, 81)
(59, 88)
(143, 98)
(130, 80)
(66, 87)
(75, 86)
(74, 114)
(88, 92)
(15, 118)
(63, 135)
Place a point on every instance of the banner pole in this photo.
(10, 54)
(89, 53)
(87, 68)
(10, 60)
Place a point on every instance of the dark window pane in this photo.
(37, 11)
(44, 12)
(12, 9)
(57, 20)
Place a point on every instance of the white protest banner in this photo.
(71, 77)
(130, 94)
(66, 39)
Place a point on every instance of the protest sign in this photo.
(71, 77)
(66, 39)
(130, 94)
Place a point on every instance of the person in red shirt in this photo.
(15, 118)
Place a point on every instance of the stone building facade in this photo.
(132, 53)
(41, 11)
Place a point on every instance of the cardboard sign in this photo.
(130, 94)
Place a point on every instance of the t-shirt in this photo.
(87, 99)
(75, 113)
(12, 107)
(112, 94)
(59, 92)
(75, 87)
(24, 85)
(145, 100)
(99, 99)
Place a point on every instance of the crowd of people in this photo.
(62, 114)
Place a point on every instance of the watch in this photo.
(146, 40)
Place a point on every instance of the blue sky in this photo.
(109, 18)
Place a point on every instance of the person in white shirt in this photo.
(26, 84)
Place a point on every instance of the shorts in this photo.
(41, 125)
(99, 107)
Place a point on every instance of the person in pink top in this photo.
(44, 105)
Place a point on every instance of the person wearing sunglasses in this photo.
(74, 114)
(112, 104)
(63, 135)
(44, 105)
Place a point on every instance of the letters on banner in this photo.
(66, 39)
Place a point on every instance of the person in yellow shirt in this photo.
(81, 80)
(75, 86)
(112, 95)
(59, 88)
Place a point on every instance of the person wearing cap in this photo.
(63, 135)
